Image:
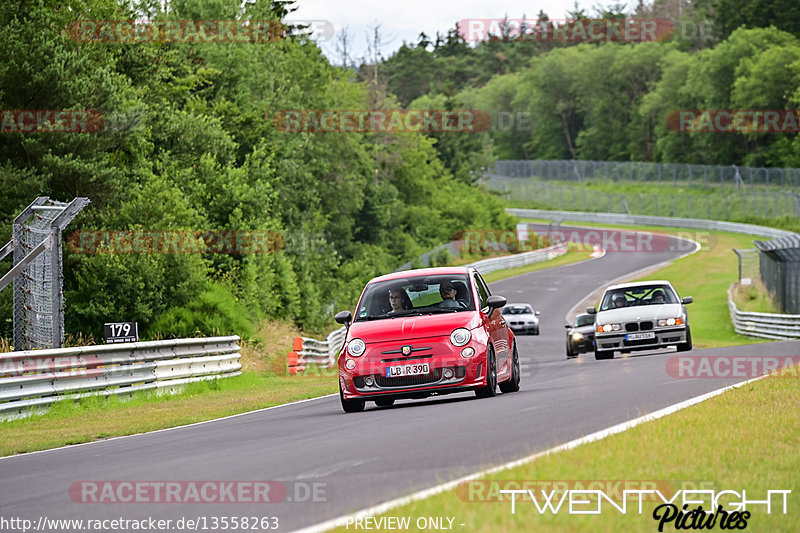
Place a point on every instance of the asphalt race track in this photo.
(356, 460)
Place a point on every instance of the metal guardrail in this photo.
(324, 353)
(766, 325)
(648, 220)
(33, 379)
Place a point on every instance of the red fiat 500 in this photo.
(425, 332)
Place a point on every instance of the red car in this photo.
(425, 332)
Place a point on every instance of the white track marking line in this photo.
(169, 429)
(438, 489)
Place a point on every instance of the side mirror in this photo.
(538, 313)
(568, 326)
(591, 310)
(687, 300)
(344, 317)
(496, 302)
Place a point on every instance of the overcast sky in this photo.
(405, 19)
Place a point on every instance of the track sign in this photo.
(121, 332)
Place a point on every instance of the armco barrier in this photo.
(646, 220)
(766, 325)
(33, 379)
(324, 353)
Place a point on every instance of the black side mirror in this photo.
(344, 317)
(496, 302)
(591, 310)
(568, 326)
(687, 300)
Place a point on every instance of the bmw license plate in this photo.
(640, 336)
(407, 370)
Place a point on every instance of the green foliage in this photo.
(214, 311)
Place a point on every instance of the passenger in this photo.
(619, 301)
(398, 300)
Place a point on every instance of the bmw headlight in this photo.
(577, 336)
(356, 347)
(460, 337)
(670, 321)
(605, 328)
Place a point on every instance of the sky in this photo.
(404, 19)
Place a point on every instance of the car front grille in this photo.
(645, 325)
(632, 326)
(639, 326)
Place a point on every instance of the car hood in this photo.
(643, 312)
(586, 330)
(413, 327)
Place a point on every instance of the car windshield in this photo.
(584, 320)
(640, 295)
(418, 295)
(517, 310)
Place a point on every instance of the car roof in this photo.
(640, 284)
(422, 272)
(519, 305)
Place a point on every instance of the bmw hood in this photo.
(634, 314)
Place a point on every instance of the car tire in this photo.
(686, 346)
(535, 331)
(491, 377)
(350, 406)
(604, 354)
(385, 402)
(570, 353)
(512, 385)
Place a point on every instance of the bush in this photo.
(215, 311)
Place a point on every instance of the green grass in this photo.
(97, 417)
(745, 439)
(754, 298)
(764, 206)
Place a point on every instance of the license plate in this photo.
(407, 370)
(640, 336)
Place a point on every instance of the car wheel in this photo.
(570, 352)
(605, 354)
(512, 385)
(491, 377)
(350, 406)
(384, 402)
(686, 346)
(536, 331)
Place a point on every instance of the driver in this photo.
(448, 293)
(659, 297)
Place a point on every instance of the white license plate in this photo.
(640, 336)
(407, 370)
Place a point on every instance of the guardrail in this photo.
(34, 379)
(649, 220)
(766, 325)
(324, 353)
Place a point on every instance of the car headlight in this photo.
(460, 337)
(670, 321)
(605, 328)
(356, 347)
(577, 336)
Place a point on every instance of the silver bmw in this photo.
(644, 315)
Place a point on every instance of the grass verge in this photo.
(743, 439)
(576, 253)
